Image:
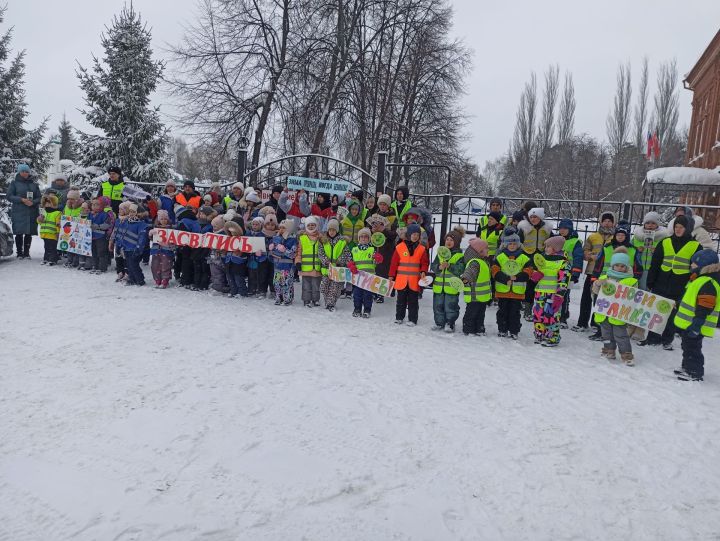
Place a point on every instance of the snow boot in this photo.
(578, 328)
(330, 308)
(315, 303)
(668, 347)
(550, 344)
(503, 334)
(450, 329)
(366, 315)
(608, 353)
(596, 336)
(513, 336)
(398, 322)
(437, 328)
(307, 304)
(628, 359)
(356, 313)
(411, 324)
(687, 376)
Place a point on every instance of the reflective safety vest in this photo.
(492, 238)
(646, 251)
(74, 213)
(194, 201)
(481, 290)
(440, 284)
(630, 282)
(678, 263)
(549, 282)
(569, 247)
(333, 253)
(517, 287)
(535, 240)
(688, 304)
(363, 259)
(309, 258)
(408, 270)
(483, 221)
(227, 200)
(113, 191)
(401, 214)
(49, 228)
(608, 251)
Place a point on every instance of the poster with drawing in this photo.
(75, 236)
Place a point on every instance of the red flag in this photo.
(656, 145)
(649, 145)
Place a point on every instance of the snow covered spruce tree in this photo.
(117, 96)
(68, 144)
(17, 144)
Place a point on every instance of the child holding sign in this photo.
(334, 252)
(510, 269)
(364, 258)
(614, 331)
(448, 266)
(282, 251)
(552, 276)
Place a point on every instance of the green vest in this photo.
(492, 238)
(517, 287)
(608, 250)
(548, 284)
(364, 259)
(480, 291)
(440, 284)
(113, 191)
(678, 263)
(401, 214)
(569, 247)
(49, 228)
(333, 253)
(483, 221)
(309, 259)
(688, 304)
(646, 251)
(73, 213)
(630, 281)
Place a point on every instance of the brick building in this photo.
(704, 135)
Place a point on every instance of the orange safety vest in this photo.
(194, 200)
(408, 270)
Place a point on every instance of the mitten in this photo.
(557, 302)
(536, 276)
(271, 247)
(377, 257)
(353, 267)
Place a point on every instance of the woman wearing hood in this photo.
(699, 233)
(670, 272)
(322, 209)
(24, 194)
(401, 206)
(646, 238)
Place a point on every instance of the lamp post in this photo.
(242, 159)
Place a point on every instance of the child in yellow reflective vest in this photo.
(552, 276)
(614, 331)
(364, 258)
(478, 289)
(446, 299)
(698, 313)
(335, 252)
(49, 221)
(308, 257)
(510, 285)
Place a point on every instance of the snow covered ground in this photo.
(137, 414)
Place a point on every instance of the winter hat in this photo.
(479, 245)
(60, 176)
(252, 197)
(510, 238)
(258, 220)
(353, 203)
(163, 214)
(456, 235)
(132, 207)
(189, 183)
(497, 216)
(333, 224)
(266, 210)
(495, 201)
(105, 201)
(115, 169)
(73, 194)
(384, 198)
(206, 210)
(289, 226)
(652, 217)
(686, 222)
(623, 228)
(364, 231)
(518, 216)
(170, 182)
(183, 212)
(238, 185)
(607, 216)
(414, 211)
(412, 228)
(555, 243)
(358, 194)
(23, 168)
(566, 223)
(537, 211)
(620, 256)
(275, 189)
(233, 228)
(207, 199)
(217, 223)
(49, 199)
(270, 219)
(706, 257)
(311, 220)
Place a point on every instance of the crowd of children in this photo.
(517, 263)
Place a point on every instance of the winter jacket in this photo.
(279, 212)
(134, 237)
(24, 218)
(563, 277)
(667, 283)
(455, 269)
(632, 251)
(386, 251)
(499, 276)
(238, 258)
(699, 233)
(595, 242)
(472, 268)
(284, 260)
(255, 260)
(190, 225)
(295, 210)
(707, 296)
(391, 217)
(534, 236)
(410, 247)
(343, 258)
(160, 248)
(646, 241)
(50, 222)
(350, 227)
(167, 203)
(100, 224)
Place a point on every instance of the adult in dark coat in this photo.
(273, 202)
(667, 283)
(59, 186)
(24, 194)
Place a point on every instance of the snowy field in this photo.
(137, 414)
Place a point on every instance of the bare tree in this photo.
(546, 129)
(618, 121)
(525, 137)
(641, 107)
(666, 105)
(566, 115)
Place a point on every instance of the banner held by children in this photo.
(634, 306)
(333, 187)
(75, 236)
(223, 243)
(363, 280)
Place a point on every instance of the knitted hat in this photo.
(170, 182)
(333, 224)
(623, 228)
(412, 228)
(703, 258)
(115, 169)
(496, 201)
(687, 223)
(49, 199)
(277, 189)
(73, 194)
(23, 168)
(258, 220)
(364, 231)
(163, 214)
(565, 223)
(267, 209)
(555, 243)
(509, 239)
(607, 216)
(479, 245)
(207, 199)
(289, 225)
(217, 223)
(652, 217)
(60, 176)
(497, 216)
(271, 219)
(239, 185)
(456, 235)
(311, 220)
(620, 256)
(384, 198)
(233, 228)
(537, 211)
(518, 216)
(132, 207)
(206, 210)
(252, 197)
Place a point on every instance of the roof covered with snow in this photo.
(684, 175)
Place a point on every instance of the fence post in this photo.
(626, 208)
(241, 164)
(444, 223)
(382, 160)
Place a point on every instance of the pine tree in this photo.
(68, 144)
(17, 144)
(117, 95)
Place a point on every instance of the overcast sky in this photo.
(509, 40)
